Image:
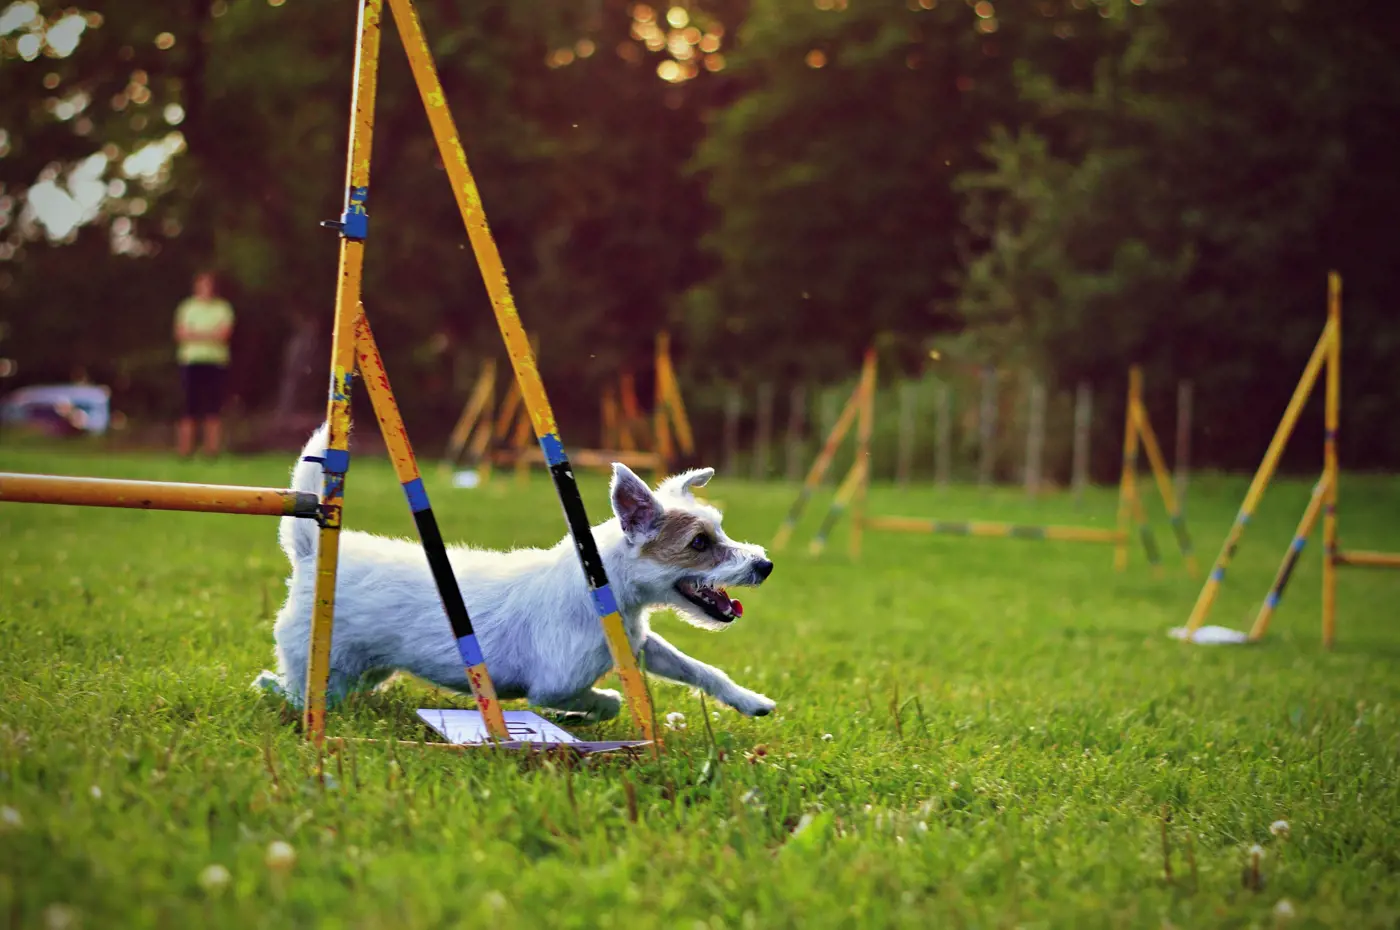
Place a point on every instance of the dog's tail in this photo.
(298, 535)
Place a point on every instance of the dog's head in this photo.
(681, 557)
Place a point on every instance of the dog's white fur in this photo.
(531, 608)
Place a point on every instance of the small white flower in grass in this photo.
(1256, 851)
(954, 785)
(96, 793)
(1279, 828)
(921, 826)
(675, 720)
(280, 856)
(10, 818)
(1283, 910)
(60, 917)
(214, 878)
(827, 737)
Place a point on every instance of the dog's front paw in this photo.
(752, 704)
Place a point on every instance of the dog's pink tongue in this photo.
(738, 608)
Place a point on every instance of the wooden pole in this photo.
(908, 399)
(763, 438)
(797, 408)
(1330, 470)
(1181, 466)
(733, 406)
(987, 427)
(1083, 423)
(944, 427)
(1035, 438)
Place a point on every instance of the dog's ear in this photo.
(637, 509)
(683, 484)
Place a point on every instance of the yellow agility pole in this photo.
(353, 227)
(1089, 534)
(1129, 503)
(1290, 560)
(391, 427)
(1211, 589)
(156, 495)
(669, 412)
(824, 458)
(1164, 486)
(1363, 559)
(1330, 469)
(478, 404)
(848, 489)
(522, 359)
(865, 425)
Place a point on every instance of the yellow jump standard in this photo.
(353, 348)
(859, 412)
(1327, 353)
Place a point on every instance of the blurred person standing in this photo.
(203, 325)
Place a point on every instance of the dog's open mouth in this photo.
(715, 602)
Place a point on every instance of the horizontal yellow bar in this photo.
(155, 495)
(1369, 559)
(1003, 530)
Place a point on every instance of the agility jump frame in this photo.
(851, 494)
(485, 441)
(1327, 353)
(353, 346)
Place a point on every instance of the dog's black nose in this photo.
(763, 568)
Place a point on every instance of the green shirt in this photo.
(203, 318)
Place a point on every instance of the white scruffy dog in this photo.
(532, 609)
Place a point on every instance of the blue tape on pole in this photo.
(603, 600)
(553, 449)
(337, 460)
(1299, 542)
(1218, 575)
(470, 650)
(354, 222)
(417, 496)
(1273, 599)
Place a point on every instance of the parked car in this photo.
(58, 409)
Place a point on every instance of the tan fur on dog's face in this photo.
(672, 544)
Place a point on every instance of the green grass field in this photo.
(970, 733)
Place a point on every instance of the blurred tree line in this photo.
(1064, 186)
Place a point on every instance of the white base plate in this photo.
(526, 728)
(1210, 636)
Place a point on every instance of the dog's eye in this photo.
(700, 543)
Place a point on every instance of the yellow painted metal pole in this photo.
(155, 495)
(1290, 559)
(1089, 534)
(391, 427)
(472, 413)
(820, 466)
(1364, 559)
(1163, 478)
(1330, 467)
(1211, 589)
(850, 486)
(864, 427)
(675, 402)
(353, 228)
(660, 427)
(1127, 481)
(522, 358)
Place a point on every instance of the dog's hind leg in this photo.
(666, 661)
